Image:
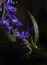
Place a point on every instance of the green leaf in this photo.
(36, 30)
(12, 38)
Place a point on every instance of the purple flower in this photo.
(26, 34)
(17, 22)
(8, 6)
(7, 26)
(22, 35)
(11, 8)
(8, 15)
(8, 21)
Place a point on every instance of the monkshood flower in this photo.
(8, 6)
(9, 21)
(22, 34)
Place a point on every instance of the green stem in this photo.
(3, 10)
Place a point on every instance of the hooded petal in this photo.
(7, 26)
(17, 22)
(9, 1)
(17, 34)
(26, 34)
(8, 16)
(11, 8)
(22, 34)
(3, 21)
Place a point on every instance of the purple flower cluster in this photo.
(8, 21)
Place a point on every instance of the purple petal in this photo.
(26, 34)
(19, 24)
(8, 15)
(10, 28)
(11, 8)
(7, 26)
(18, 34)
(3, 22)
(0, 22)
(15, 20)
(9, 1)
(22, 35)
(0, 9)
(14, 16)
